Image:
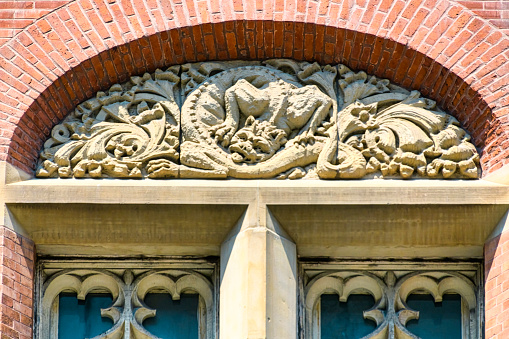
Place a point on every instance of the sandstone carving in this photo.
(253, 122)
(274, 119)
(117, 133)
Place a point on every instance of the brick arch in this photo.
(441, 49)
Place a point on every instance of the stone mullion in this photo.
(258, 288)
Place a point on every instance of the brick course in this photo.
(17, 285)
(17, 14)
(496, 11)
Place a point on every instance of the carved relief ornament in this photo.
(273, 119)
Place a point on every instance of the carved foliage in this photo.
(117, 133)
(128, 290)
(390, 311)
(277, 118)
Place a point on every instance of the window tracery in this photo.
(128, 289)
(390, 290)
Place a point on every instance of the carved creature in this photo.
(282, 105)
(256, 141)
(273, 109)
(280, 118)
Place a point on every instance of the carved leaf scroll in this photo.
(278, 118)
(117, 133)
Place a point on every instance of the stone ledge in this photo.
(270, 192)
(349, 219)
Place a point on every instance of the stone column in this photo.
(258, 291)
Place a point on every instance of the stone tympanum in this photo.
(273, 119)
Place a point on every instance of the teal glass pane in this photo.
(340, 320)
(175, 319)
(80, 319)
(436, 320)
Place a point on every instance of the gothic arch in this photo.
(440, 49)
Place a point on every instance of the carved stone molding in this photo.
(273, 119)
(128, 289)
(390, 290)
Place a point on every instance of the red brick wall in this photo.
(496, 11)
(17, 14)
(437, 47)
(496, 268)
(16, 287)
(49, 64)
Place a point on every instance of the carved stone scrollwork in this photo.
(278, 118)
(128, 291)
(390, 292)
(117, 133)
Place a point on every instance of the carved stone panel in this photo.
(274, 119)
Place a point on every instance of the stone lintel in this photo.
(270, 192)
(354, 219)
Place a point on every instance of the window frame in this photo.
(123, 279)
(335, 277)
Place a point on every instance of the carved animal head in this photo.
(257, 141)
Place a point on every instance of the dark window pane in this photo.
(82, 318)
(175, 319)
(436, 320)
(345, 320)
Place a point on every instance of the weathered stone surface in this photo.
(117, 133)
(278, 118)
